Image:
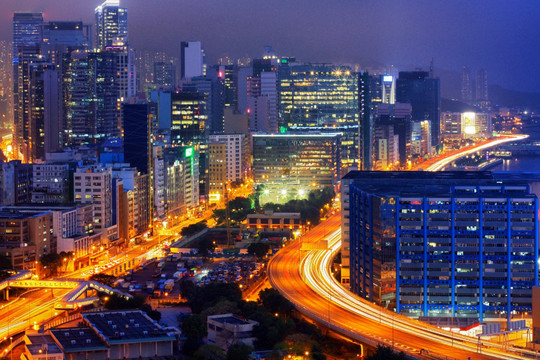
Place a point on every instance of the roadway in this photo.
(440, 162)
(304, 278)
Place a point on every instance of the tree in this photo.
(239, 352)
(194, 329)
(258, 249)
(50, 263)
(384, 352)
(193, 228)
(104, 279)
(274, 302)
(209, 295)
(239, 208)
(209, 352)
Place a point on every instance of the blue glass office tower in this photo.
(442, 244)
(423, 92)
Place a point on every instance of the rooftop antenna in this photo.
(431, 68)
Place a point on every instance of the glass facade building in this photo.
(111, 24)
(291, 165)
(461, 244)
(322, 98)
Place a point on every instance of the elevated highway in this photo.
(304, 277)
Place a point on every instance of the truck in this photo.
(169, 284)
(150, 286)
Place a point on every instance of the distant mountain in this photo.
(448, 105)
(499, 96)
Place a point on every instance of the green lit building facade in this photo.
(291, 165)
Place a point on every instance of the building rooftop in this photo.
(230, 319)
(14, 214)
(125, 326)
(452, 183)
(78, 339)
(40, 342)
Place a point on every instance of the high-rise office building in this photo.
(192, 59)
(211, 92)
(26, 30)
(481, 86)
(441, 244)
(165, 74)
(26, 38)
(466, 85)
(291, 165)
(322, 98)
(27, 56)
(229, 76)
(423, 92)
(111, 24)
(91, 107)
(136, 119)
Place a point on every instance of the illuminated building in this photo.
(258, 111)
(26, 236)
(26, 30)
(237, 155)
(15, 183)
(436, 244)
(322, 98)
(392, 136)
(291, 165)
(481, 86)
(181, 180)
(466, 86)
(26, 38)
(93, 185)
(191, 59)
(465, 125)
(210, 89)
(74, 34)
(51, 183)
(165, 74)
(229, 75)
(91, 107)
(111, 24)
(217, 170)
(421, 138)
(423, 92)
(274, 220)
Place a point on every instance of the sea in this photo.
(522, 163)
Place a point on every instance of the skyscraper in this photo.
(26, 30)
(423, 92)
(192, 59)
(165, 74)
(319, 97)
(111, 24)
(481, 86)
(26, 38)
(466, 85)
(91, 107)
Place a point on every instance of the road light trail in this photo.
(306, 280)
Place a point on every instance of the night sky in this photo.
(499, 35)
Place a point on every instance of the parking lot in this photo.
(160, 278)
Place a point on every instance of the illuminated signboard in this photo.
(388, 78)
(189, 152)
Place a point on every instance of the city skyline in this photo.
(486, 35)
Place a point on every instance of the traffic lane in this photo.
(291, 283)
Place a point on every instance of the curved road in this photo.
(317, 295)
